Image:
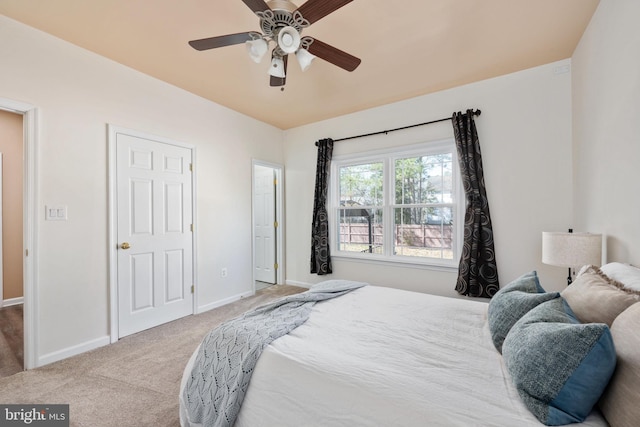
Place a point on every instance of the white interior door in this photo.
(264, 213)
(154, 232)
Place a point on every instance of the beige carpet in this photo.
(11, 343)
(132, 383)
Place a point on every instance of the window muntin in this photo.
(401, 206)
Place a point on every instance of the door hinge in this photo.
(26, 252)
(275, 266)
(191, 167)
(275, 224)
(192, 288)
(275, 181)
(191, 227)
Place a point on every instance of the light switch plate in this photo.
(55, 213)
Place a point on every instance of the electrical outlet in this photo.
(224, 272)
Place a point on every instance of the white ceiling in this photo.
(408, 48)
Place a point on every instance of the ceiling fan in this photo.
(282, 22)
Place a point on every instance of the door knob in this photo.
(125, 245)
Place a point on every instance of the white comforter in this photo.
(384, 357)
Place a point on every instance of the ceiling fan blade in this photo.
(278, 81)
(256, 5)
(221, 41)
(333, 55)
(315, 10)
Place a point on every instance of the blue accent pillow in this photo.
(559, 366)
(513, 301)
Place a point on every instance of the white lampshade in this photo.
(277, 68)
(289, 39)
(571, 249)
(304, 58)
(256, 48)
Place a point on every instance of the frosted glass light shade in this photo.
(289, 39)
(304, 58)
(256, 49)
(277, 68)
(571, 249)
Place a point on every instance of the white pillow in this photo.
(626, 274)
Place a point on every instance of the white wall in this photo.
(77, 94)
(525, 135)
(606, 128)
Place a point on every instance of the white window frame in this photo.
(388, 157)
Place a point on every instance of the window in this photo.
(400, 206)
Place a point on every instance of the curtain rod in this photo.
(475, 113)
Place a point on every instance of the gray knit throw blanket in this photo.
(228, 354)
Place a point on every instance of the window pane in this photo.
(361, 185)
(424, 232)
(360, 230)
(425, 179)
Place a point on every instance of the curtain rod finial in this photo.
(478, 112)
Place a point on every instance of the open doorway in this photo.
(27, 115)
(267, 185)
(11, 244)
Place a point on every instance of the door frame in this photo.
(30, 128)
(279, 204)
(113, 130)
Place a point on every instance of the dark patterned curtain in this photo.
(478, 271)
(320, 253)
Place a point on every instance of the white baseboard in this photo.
(216, 304)
(301, 284)
(12, 301)
(106, 340)
(73, 350)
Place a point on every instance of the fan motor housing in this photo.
(283, 5)
(283, 13)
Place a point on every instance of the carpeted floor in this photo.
(11, 342)
(134, 382)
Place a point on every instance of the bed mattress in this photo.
(385, 357)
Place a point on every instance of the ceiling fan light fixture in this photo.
(288, 39)
(277, 68)
(282, 22)
(256, 49)
(304, 58)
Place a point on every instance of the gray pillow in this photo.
(559, 366)
(513, 301)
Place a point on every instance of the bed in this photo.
(378, 356)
